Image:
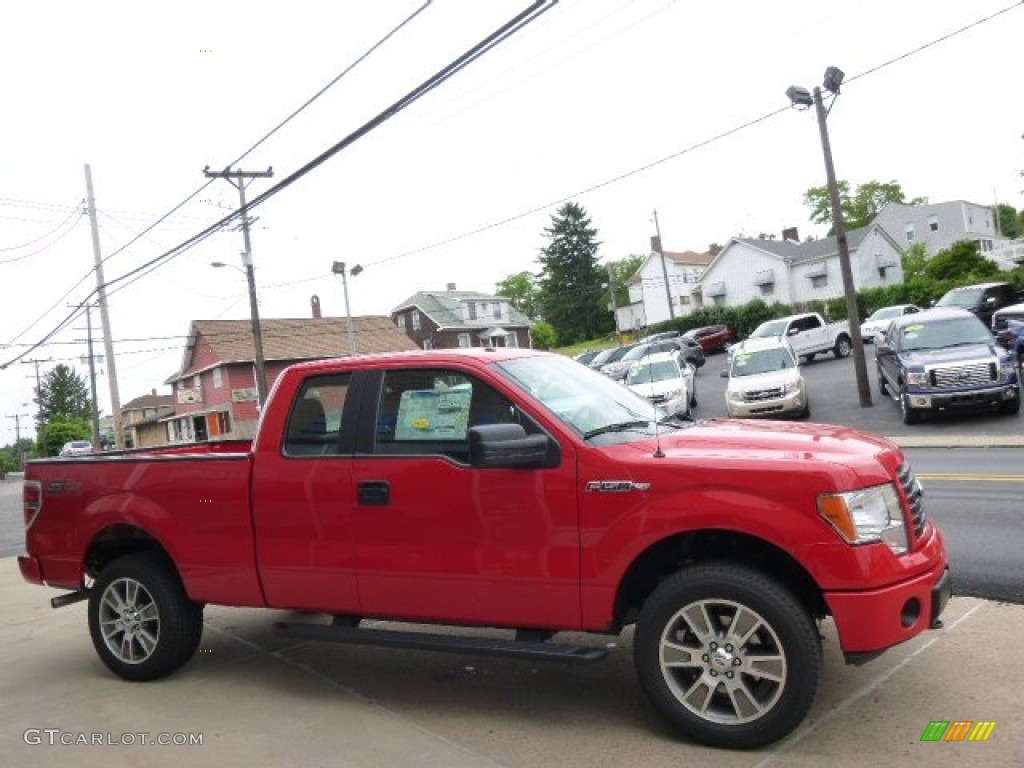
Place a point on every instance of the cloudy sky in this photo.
(623, 106)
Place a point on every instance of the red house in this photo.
(215, 388)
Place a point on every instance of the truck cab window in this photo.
(315, 418)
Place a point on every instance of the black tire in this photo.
(672, 660)
(883, 388)
(1010, 407)
(910, 416)
(809, 358)
(843, 347)
(142, 623)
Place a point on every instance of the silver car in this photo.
(662, 380)
(765, 380)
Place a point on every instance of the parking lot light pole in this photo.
(338, 268)
(257, 333)
(802, 98)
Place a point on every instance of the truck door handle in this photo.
(374, 493)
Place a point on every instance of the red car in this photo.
(712, 338)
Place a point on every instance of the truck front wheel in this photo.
(727, 655)
(142, 623)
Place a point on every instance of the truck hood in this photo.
(950, 355)
(759, 381)
(725, 442)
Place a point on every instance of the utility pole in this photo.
(17, 439)
(859, 365)
(664, 268)
(39, 390)
(108, 338)
(95, 415)
(237, 180)
(611, 293)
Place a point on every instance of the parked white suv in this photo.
(765, 380)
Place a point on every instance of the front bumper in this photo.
(926, 399)
(790, 404)
(870, 622)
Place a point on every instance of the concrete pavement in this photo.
(257, 699)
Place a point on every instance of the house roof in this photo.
(443, 308)
(148, 401)
(287, 339)
(811, 250)
(682, 258)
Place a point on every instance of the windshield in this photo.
(961, 297)
(581, 398)
(618, 353)
(885, 313)
(636, 353)
(648, 373)
(958, 331)
(771, 328)
(602, 357)
(761, 361)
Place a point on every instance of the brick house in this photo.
(215, 395)
(451, 318)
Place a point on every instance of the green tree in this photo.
(961, 263)
(60, 431)
(913, 261)
(859, 208)
(522, 289)
(620, 272)
(571, 280)
(63, 396)
(544, 335)
(1009, 221)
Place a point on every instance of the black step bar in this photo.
(426, 641)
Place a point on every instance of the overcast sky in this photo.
(592, 91)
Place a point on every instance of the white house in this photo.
(792, 272)
(648, 299)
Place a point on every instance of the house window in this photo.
(684, 300)
(415, 319)
(933, 223)
(223, 422)
(218, 379)
(718, 301)
(428, 344)
(819, 281)
(464, 340)
(483, 308)
(497, 311)
(400, 320)
(909, 230)
(472, 311)
(512, 340)
(197, 381)
(768, 289)
(985, 245)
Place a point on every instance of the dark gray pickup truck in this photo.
(945, 359)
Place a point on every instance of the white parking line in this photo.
(789, 744)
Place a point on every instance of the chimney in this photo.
(314, 302)
(451, 287)
(791, 234)
(154, 392)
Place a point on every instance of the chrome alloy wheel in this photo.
(723, 661)
(129, 621)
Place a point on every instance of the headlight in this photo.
(790, 387)
(735, 395)
(873, 514)
(917, 377)
(1007, 368)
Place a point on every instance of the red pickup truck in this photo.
(513, 490)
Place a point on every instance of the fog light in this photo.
(911, 612)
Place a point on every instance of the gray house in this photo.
(792, 272)
(940, 225)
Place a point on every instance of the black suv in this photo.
(981, 300)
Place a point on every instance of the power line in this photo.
(74, 219)
(74, 212)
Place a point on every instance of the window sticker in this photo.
(431, 414)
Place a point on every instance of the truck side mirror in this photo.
(507, 446)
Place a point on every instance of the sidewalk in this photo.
(261, 700)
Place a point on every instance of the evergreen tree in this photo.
(570, 290)
(63, 396)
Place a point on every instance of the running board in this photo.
(425, 641)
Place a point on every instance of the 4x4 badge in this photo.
(616, 486)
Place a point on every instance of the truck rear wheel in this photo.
(727, 655)
(142, 623)
(843, 347)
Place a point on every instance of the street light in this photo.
(801, 97)
(257, 333)
(338, 268)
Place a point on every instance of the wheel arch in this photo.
(121, 539)
(667, 556)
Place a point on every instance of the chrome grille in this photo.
(914, 493)
(964, 375)
(757, 395)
